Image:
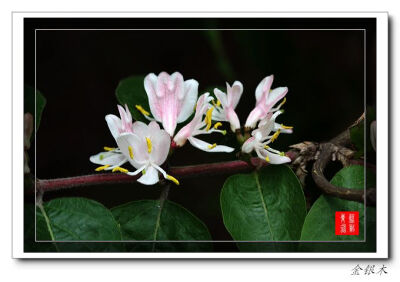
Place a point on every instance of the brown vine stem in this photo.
(325, 156)
(182, 172)
(325, 153)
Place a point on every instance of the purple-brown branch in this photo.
(181, 172)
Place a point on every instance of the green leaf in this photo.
(147, 220)
(357, 133)
(30, 245)
(76, 219)
(320, 221)
(266, 205)
(29, 103)
(131, 91)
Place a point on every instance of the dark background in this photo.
(78, 71)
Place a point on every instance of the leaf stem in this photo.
(46, 218)
(163, 198)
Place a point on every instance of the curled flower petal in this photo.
(248, 145)
(191, 87)
(108, 158)
(121, 125)
(283, 128)
(265, 101)
(114, 124)
(150, 177)
(229, 101)
(273, 158)
(207, 147)
(234, 93)
(264, 87)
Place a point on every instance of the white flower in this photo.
(265, 100)
(261, 138)
(171, 99)
(198, 126)
(121, 125)
(226, 104)
(145, 147)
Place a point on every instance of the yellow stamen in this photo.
(109, 149)
(267, 159)
(173, 179)
(149, 145)
(286, 127)
(283, 102)
(216, 104)
(276, 134)
(143, 111)
(218, 124)
(100, 168)
(208, 118)
(120, 169)
(212, 146)
(223, 132)
(282, 154)
(266, 147)
(130, 152)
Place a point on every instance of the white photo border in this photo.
(382, 141)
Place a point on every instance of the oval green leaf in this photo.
(320, 221)
(266, 205)
(148, 220)
(76, 219)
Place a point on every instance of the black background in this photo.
(79, 70)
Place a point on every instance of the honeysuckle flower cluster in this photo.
(198, 126)
(265, 113)
(173, 100)
(261, 138)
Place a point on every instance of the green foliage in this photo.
(320, 221)
(76, 219)
(266, 205)
(29, 103)
(357, 133)
(29, 232)
(148, 220)
(131, 91)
